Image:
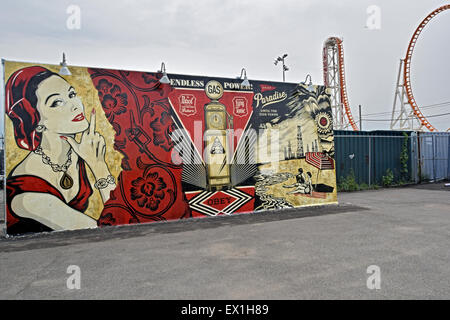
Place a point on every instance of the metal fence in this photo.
(370, 155)
(409, 156)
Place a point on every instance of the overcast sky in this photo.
(219, 37)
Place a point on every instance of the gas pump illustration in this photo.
(217, 148)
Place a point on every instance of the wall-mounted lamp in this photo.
(165, 78)
(310, 85)
(245, 83)
(64, 71)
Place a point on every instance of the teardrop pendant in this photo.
(66, 181)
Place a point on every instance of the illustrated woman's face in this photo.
(60, 108)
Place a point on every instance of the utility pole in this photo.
(281, 59)
(360, 119)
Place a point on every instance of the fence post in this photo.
(370, 160)
(434, 156)
(448, 159)
(415, 140)
(419, 155)
(417, 159)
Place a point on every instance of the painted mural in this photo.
(110, 147)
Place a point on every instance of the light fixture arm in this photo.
(63, 63)
(64, 69)
(306, 79)
(164, 79)
(245, 82)
(310, 84)
(163, 68)
(243, 71)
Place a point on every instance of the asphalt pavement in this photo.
(326, 252)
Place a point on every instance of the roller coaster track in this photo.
(407, 68)
(334, 77)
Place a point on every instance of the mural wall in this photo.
(111, 147)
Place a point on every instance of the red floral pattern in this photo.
(148, 191)
(114, 102)
(149, 186)
(162, 128)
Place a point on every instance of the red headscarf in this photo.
(20, 110)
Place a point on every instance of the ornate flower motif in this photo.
(148, 191)
(114, 102)
(162, 129)
(103, 86)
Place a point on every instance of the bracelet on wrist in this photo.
(102, 183)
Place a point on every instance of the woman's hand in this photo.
(91, 149)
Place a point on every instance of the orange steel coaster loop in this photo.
(344, 96)
(407, 67)
(343, 87)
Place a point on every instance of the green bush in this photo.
(364, 186)
(348, 183)
(388, 179)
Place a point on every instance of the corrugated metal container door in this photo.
(387, 149)
(448, 162)
(352, 154)
(426, 157)
(441, 155)
(434, 155)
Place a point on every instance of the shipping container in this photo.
(434, 155)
